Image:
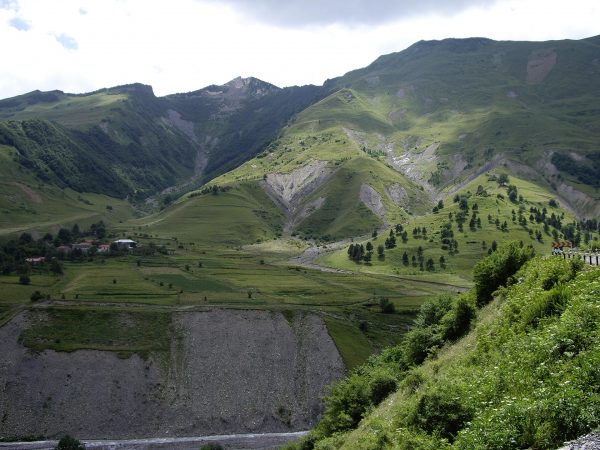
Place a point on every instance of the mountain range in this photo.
(410, 128)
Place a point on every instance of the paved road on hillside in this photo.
(309, 257)
(266, 441)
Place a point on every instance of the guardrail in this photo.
(592, 258)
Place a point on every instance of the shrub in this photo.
(386, 306)
(457, 322)
(493, 271)
(432, 311)
(418, 343)
(382, 384)
(24, 279)
(546, 304)
(69, 443)
(348, 401)
(37, 295)
(441, 412)
(55, 267)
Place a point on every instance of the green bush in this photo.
(546, 304)
(346, 404)
(494, 270)
(386, 306)
(37, 295)
(432, 311)
(381, 384)
(69, 443)
(441, 411)
(457, 322)
(418, 343)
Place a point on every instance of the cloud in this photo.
(298, 13)
(9, 4)
(19, 24)
(67, 42)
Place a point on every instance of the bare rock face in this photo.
(227, 372)
(540, 64)
(292, 187)
(397, 194)
(289, 190)
(372, 200)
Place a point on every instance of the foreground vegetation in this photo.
(525, 376)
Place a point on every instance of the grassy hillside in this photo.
(109, 142)
(68, 110)
(524, 377)
(458, 234)
(342, 213)
(125, 142)
(477, 99)
(424, 124)
(239, 215)
(27, 204)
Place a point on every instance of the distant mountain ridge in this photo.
(528, 105)
(126, 142)
(438, 113)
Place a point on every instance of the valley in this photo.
(283, 236)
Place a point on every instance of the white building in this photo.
(125, 244)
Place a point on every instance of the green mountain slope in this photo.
(477, 103)
(466, 227)
(124, 141)
(525, 376)
(439, 114)
(231, 123)
(240, 215)
(27, 204)
(418, 126)
(110, 142)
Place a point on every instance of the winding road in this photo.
(265, 441)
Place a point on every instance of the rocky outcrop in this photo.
(289, 190)
(588, 442)
(397, 194)
(372, 200)
(228, 371)
(539, 65)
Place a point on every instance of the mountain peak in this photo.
(133, 88)
(455, 45)
(240, 83)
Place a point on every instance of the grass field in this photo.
(122, 332)
(241, 215)
(232, 278)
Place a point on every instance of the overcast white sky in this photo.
(183, 45)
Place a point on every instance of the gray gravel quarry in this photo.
(229, 372)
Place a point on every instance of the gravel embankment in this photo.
(231, 372)
(588, 442)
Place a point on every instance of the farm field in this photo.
(227, 278)
(209, 260)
